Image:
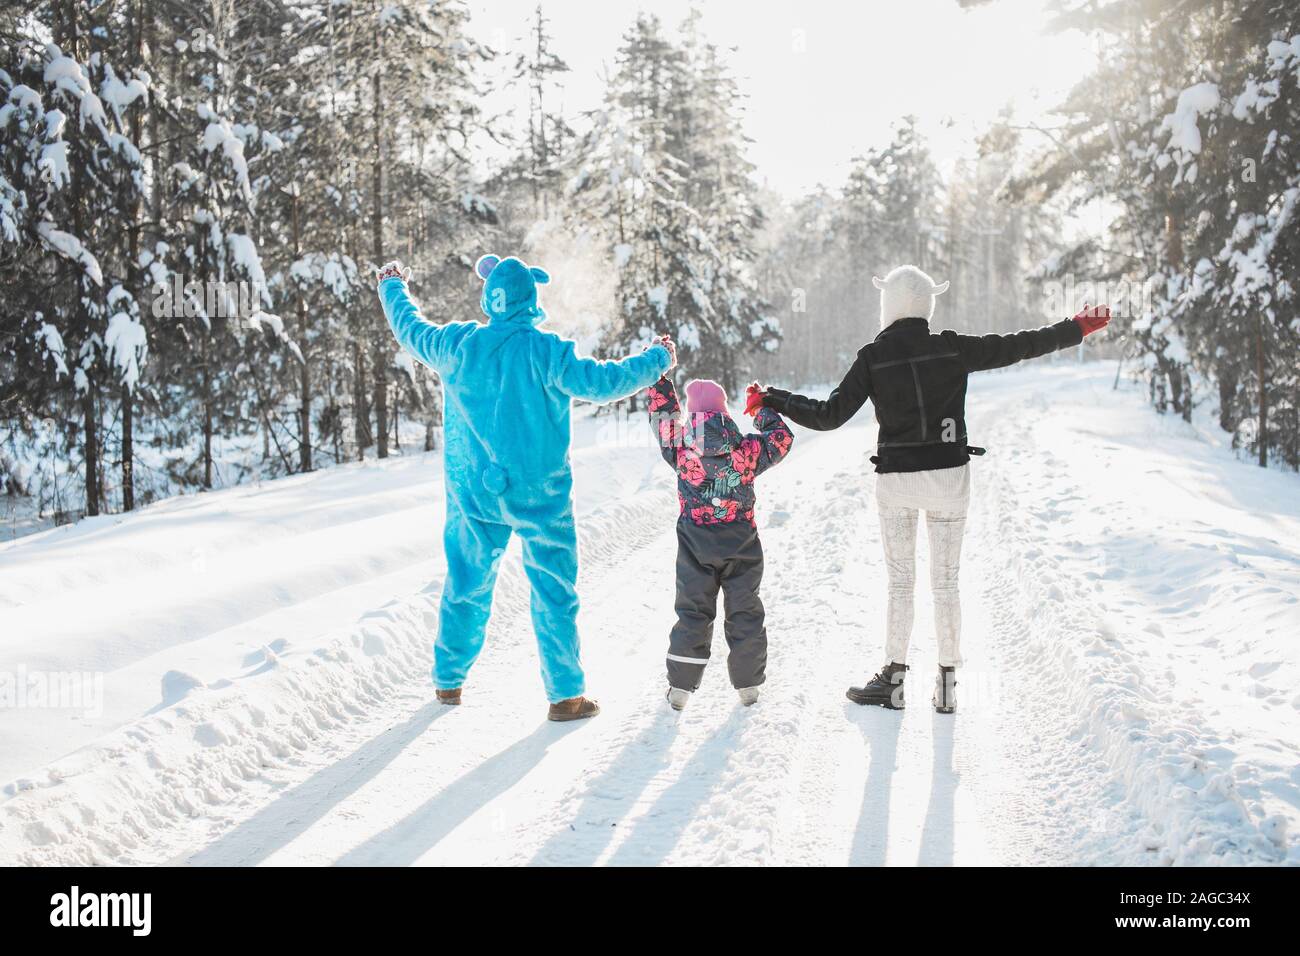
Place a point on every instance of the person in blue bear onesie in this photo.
(508, 387)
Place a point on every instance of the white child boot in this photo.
(677, 698)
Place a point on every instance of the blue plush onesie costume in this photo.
(508, 388)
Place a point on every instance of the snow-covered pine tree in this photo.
(905, 186)
(548, 131)
(1185, 129)
(888, 212)
(401, 105)
(1243, 248)
(625, 186)
(719, 186)
(667, 139)
(992, 244)
(435, 211)
(69, 176)
(797, 264)
(177, 147)
(303, 200)
(221, 333)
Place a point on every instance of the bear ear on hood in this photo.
(483, 268)
(878, 282)
(941, 288)
(540, 275)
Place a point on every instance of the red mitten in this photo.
(753, 399)
(1094, 319)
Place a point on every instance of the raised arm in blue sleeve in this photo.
(597, 381)
(429, 343)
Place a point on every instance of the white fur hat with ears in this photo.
(906, 293)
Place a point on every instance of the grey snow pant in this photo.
(898, 535)
(726, 557)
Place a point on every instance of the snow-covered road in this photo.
(1131, 609)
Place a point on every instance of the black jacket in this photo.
(917, 381)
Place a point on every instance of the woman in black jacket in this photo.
(916, 379)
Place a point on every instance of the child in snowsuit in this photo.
(717, 541)
(508, 387)
(916, 379)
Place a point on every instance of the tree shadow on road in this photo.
(295, 811)
(591, 830)
(657, 832)
(424, 828)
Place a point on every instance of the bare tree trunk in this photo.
(1227, 392)
(137, 285)
(70, 39)
(1261, 438)
(91, 450)
(397, 425)
(207, 413)
(1174, 241)
(1174, 376)
(335, 413)
(360, 409)
(128, 450)
(304, 370)
(381, 364)
(205, 381)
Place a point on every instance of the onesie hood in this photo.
(510, 289)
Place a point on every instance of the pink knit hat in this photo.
(705, 395)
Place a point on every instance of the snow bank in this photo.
(1143, 583)
(113, 801)
(1132, 596)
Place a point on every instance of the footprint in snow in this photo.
(176, 685)
(209, 735)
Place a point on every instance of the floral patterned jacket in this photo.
(716, 465)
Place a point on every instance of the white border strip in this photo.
(688, 660)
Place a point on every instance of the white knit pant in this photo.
(898, 534)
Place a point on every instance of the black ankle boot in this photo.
(945, 690)
(883, 690)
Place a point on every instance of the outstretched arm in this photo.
(981, 352)
(416, 334)
(837, 409)
(774, 439)
(665, 417)
(597, 381)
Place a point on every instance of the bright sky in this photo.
(826, 79)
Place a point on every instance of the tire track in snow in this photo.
(714, 784)
(1115, 756)
(1066, 747)
(374, 816)
(877, 787)
(187, 774)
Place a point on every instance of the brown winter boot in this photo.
(450, 697)
(575, 708)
